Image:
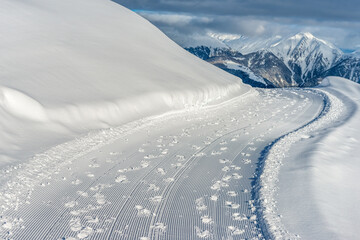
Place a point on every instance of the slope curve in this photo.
(91, 64)
(306, 188)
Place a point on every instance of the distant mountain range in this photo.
(301, 60)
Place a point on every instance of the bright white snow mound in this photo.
(85, 64)
(336, 169)
(319, 189)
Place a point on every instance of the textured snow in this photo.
(148, 171)
(315, 168)
(194, 171)
(326, 175)
(67, 67)
(337, 165)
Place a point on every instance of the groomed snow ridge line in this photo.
(22, 179)
(271, 160)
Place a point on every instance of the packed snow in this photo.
(141, 180)
(320, 173)
(112, 131)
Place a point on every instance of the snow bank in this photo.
(20, 105)
(336, 162)
(70, 66)
(309, 186)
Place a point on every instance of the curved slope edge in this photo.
(307, 187)
(72, 66)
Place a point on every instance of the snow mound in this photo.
(336, 164)
(315, 168)
(21, 105)
(68, 67)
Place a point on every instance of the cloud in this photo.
(203, 24)
(172, 19)
(319, 9)
(335, 21)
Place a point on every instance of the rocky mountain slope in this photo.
(347, 67)
(298, 61)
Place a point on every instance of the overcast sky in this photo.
(335, 21)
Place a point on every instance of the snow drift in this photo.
(71, 66)
(318, 183)
(336, 169)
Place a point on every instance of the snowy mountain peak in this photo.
(308, 37)
(306, 55)
(301, 59)
(303, 35)
(304, 41)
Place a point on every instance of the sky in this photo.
(184, 20)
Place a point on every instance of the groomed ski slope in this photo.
(112, 131)
(210, 173)
(185, 175)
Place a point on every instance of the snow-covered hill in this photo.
(70, 66)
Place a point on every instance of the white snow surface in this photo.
(336, 166)
(112, 131)
(309, 184)
(70, 66)
(182, 175)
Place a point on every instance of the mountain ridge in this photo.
(301, 60)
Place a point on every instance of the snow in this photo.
(244, 44)
(315, 168)
(69, 67)
(337, 158)
(304, 49)
(129, 195)
(240, 43)
(247, 45)
(21, 105)
(112, 131)
(233, 65)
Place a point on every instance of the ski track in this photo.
(187, 175)
(334, 112)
